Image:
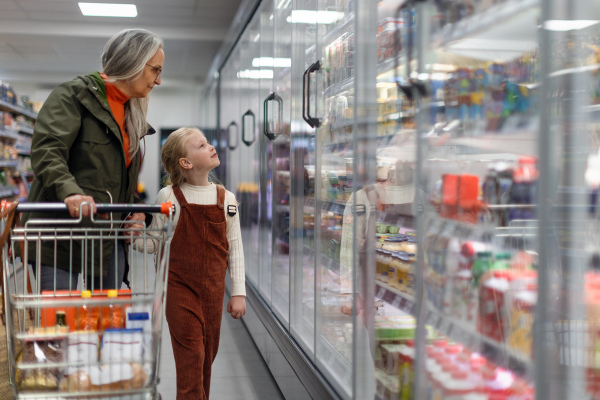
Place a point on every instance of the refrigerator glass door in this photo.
(330, 84)
(303, 184)
(265, 198)
(247, 160)
(281, 111)
(476, 82)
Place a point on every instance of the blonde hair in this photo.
(124, 58)
(174, 148)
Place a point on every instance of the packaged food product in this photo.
(45, 345)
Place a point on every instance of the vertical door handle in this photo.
(272, 135)
(246, 141)
(410, 84)
(304, 98)
(312, 121)
(233, 124)
(405, 85)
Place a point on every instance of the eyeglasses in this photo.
(157, 71)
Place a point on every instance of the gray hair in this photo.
(124, 58)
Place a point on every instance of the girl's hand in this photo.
(136, 220)
(237, 306)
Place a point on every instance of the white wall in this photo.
(170, 107)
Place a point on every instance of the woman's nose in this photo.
(157, 80)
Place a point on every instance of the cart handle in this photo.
(163, 208)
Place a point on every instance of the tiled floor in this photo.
(239, 371)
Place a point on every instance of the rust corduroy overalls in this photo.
(196, 287)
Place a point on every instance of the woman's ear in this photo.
(185, 163)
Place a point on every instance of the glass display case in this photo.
(426, 174)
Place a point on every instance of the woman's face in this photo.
(141, 87)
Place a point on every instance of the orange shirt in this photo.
(116, 101)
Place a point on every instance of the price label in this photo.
(397, 302)
(381, 292)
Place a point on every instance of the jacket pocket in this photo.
(217, 234)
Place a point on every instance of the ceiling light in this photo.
(272, 62)
(108, 10)
(256, 38)
(314, 17)
(255, 74)
(568, 25)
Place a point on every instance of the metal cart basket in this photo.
(68, 334)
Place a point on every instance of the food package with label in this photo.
(43, 346)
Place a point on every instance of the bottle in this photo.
(88, 315)
(112, 315)
(61, 322)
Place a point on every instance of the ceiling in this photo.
(46, 42)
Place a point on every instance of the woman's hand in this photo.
(237, 306)
(74, 201)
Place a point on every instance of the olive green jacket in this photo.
(77, 148)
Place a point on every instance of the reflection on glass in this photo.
(281, 121)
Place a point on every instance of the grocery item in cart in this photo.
(87, 320)
(111, 316)
(43, 346)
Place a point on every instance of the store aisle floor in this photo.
(239, 371)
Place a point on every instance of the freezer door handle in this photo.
(406, 84)
(248, 142)
(272, 135)
(237, 131)
(312, 121)
(304, 98)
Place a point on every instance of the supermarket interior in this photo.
(418, 182)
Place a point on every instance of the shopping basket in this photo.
(66, 342)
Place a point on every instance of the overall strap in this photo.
(220, 197)
(179, 196)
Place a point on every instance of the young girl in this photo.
(206, 241)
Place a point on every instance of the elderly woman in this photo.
(86, 148)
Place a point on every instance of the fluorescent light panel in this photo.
(271, 62)
(314, 17)
(568, 25)
(255, 74)
(108, 10)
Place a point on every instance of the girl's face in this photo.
(201, 155)
(141, 87)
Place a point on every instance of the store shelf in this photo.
(346, 25)
(26, 129)
(340, 87)
(336, 207)
(521, 142)
(457, 331)
(11, 108)
(326, 262)
(24, 152)
(9, 134)
(336, 362)
(10, 164)
(8, 191)
(500, 17)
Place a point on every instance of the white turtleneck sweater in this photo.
(207, 195)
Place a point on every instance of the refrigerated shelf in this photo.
(488, 20)
(343, 26)
(457, 331)
(326, 262)
(520, 142)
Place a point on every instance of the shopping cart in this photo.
(62, 344)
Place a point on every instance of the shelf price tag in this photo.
(381, 292)
(397, 302)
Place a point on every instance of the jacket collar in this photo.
(100, 108)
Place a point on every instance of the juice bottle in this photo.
(112, 315)
(88, 315)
